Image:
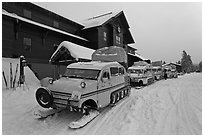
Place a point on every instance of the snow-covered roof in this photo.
(76, 51)
(171, 63)
(136, 55)
(98, 20)
(13, 15)
(132, 46)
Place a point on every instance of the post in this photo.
(14, 81)
(5, 80)
(22, 65)
(11, 76)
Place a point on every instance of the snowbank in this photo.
(6, 69)
(16, 102)
(172, 106)
(30, 78)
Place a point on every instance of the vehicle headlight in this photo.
(76, 95)
(83, 84)
(51, 81)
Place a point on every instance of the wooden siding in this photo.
(41, 15)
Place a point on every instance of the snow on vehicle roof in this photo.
(110, 54)
(137, 67)
(156, 67)
(92, 65)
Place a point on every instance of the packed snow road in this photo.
(172, 106)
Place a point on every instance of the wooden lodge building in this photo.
(35, 33)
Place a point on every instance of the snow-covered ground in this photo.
(172, 106)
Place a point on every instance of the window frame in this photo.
(27, 42)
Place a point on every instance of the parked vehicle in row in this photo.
(141, 74)
(158, 73)
(89, 85)
(171, 71)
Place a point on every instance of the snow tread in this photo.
(84, 120)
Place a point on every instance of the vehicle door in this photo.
(104, 86)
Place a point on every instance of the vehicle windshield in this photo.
(135, 71)
(82, 73)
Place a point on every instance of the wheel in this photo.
(128, 92)
(113, 98)
(124, 92)
(118, 96)
(44, 97)
(85, 109)
(140, 83)
(122, 95)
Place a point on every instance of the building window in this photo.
(27, 13)
(27, 44)
(56, 24)
(104, 36)
(118, 29)
(118, 39)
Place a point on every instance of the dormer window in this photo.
(118, 39)
(118, 29)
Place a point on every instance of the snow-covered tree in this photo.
(200, 66)
(186, 62)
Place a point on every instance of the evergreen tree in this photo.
(190, 64)
(200, 66)
(186, 62)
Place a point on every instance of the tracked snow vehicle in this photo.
(141, 74)
(89, 85)
(158, 74)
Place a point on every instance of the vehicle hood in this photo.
(68, 85)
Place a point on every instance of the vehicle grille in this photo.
(60, 99)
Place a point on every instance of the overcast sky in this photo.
(161, 30)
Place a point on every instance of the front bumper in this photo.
(63, 100)
(134, 79)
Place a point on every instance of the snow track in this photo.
(172, 106)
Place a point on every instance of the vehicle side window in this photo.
(106, 75)
(114, 71)
(121, 70)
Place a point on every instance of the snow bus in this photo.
(158, 74)
(170, 70)
(87, 86)
(141, 74)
